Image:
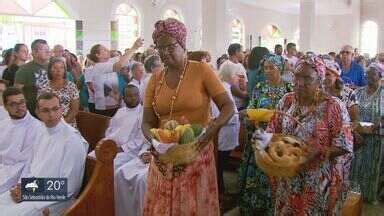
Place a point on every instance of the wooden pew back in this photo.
(97, 197)
(92, 127)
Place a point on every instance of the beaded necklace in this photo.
(174, 97)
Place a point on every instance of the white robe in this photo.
(130, 171)
(61, 153)
(125, 129)
(16, 148)
(3, 113)
(130, 181)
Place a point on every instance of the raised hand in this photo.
(137, 44)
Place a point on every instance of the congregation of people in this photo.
(332, 101)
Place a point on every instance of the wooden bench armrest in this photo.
(92, 127)
(97, 198)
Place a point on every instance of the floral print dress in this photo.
(367, 166)
(255, 189)
(66, 94)
(318, 189)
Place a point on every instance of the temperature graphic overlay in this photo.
(44, 189)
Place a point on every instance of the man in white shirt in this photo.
(236, 57)
(131, 163)
(291, 61)
(3, 112)
(137, 70)
(88, 78)
(19, 132)
(60, 153)
(58, 50)
(152, 65)
(228, 135)
(290, 56)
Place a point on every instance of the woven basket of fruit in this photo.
(282, 157)
(182, 141)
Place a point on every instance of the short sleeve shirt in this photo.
(199, 86)
(106, 85)
(31, 75)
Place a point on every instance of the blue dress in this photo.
(255, 189)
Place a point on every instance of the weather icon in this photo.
(32, 186)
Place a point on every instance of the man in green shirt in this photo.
(34, 73)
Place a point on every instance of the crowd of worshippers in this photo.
(42, 95)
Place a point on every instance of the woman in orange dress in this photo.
(183, 88)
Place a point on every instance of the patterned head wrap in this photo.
(378, 68)
(313, 61)
(332, 66)
(276, 60)
(171, 27)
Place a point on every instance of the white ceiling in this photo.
(293, 6)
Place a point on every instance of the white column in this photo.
(356, 24)
(193, 18)
(150, 17)
(216, 27)
(307, 24)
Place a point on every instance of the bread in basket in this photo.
(282, 157)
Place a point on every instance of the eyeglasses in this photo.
(170, 47)
(269, 67)
(345, 52)
(46, 110)
(15, 105)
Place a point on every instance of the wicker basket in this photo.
(353, 205)
(265, 162)
(180, 154)
(260, 115)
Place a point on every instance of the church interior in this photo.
(180, 107)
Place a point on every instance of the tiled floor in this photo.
(231, 187)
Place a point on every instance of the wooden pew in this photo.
(92, 127)
(97, 196)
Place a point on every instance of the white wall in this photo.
(256, 19)
(95, 15)
(338, 25)
(217, 27)
(373, 10)
(332, 30)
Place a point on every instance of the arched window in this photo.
(271, 35)
(128, 26)
(369, 38)
(172, 13)
(237, 28)
(22, 21)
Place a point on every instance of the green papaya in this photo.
(187, 136)
(197, 129)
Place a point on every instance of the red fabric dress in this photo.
(194, 191)
(319, 189)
